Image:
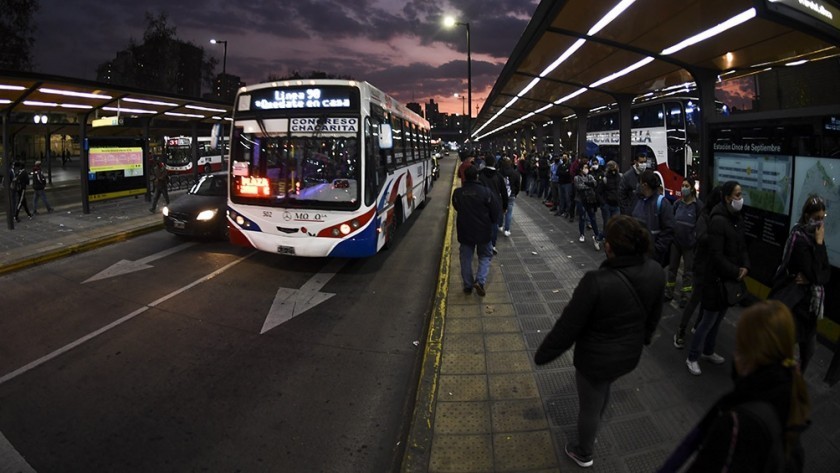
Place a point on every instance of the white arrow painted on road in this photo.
(289, 303)
(124, 266)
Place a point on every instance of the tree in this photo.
(18, 33)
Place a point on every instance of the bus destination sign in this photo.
(301, 98)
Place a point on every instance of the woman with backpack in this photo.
(686, 213)
(804, 272)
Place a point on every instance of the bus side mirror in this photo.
(386, 136)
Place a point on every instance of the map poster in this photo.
(820, 176)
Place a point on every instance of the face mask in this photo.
(737, 204)
(641, 167)
(813, 225)
(686, 191)
(594, 167)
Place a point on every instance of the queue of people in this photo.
(650, 243)
(19, 181)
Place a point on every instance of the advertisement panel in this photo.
(115, 168)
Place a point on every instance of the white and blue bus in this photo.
(324, 168)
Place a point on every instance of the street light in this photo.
(450, 22)
(224, 57)
(462, 102)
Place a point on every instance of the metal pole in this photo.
(469, 84)
(224, 59)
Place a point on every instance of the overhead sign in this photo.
(304, 98)
(324, 125)
(821, 10)
(106, 121)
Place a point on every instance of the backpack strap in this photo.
(632, 291)
(659, 204)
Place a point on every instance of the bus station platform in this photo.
(484, 406)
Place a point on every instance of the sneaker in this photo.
(479, 289)
(597, 245)
(679, 339)
(583, 461)
(693, 367)
(582, 239)
(714, 359)
(507, 233)
(495, 251)
(501, 228)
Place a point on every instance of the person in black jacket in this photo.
(478, 215)
(806, 267)
(756, 427)
(20, 183)
(613, 312)
(728, 261)
(39, 185)
(513, 183)
(656, 213)
(494, 181)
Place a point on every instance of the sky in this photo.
(400, 46)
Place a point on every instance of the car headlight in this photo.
(166, 211)
(206, 215)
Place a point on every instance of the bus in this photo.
(666, 130)
(324, 168)
(177, 155)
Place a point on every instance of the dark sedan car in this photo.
(201, 211)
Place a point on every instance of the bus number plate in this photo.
(286, 250)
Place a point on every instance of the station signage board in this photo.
(823, 15)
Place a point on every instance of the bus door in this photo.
(676, 136)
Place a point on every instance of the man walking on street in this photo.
(20, 183)
(478, 215)
(39, 185)
(160, 178)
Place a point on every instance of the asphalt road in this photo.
(166, 369)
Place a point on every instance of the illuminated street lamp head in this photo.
(449, 21)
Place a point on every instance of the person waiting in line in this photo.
(513, 183)
(587, 201)
(628, 192)
(686, 214)
(39, 186)
(21, 182)
(608, 189)
(656, 214)
(494, 181)
(160, 178)
(467, 162)
(478, 213)
(613, 312)
(757, 426)
(564, 183)
(728, 261)
(554, 185)
(804, 272)
(543, 172)
(701, 256)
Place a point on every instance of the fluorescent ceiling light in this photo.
(75, 105)
(714, 31)
(70, 93)
(5, 101)
(127, 110)
(150, 102)
(35, 103)
(610, 16)
(797, 63)
(528, 87)
(574, 47)
(11, 87)
(570, 96)
(622, 72)
(205, 109)
(187, 115)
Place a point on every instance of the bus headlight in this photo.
(345, 229)
(205, 215)
(240, 220)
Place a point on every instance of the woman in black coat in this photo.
(608, 322)
(755, 427)
(727, 261)
(805, 260)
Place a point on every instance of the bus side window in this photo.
(376, 161)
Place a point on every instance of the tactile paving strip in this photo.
(634, 434)
(623, 402)
(562, 410)
(532, 324)
(525, 308)
(552, 383)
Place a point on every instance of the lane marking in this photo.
(125, 267)
(90, 336)
(289, 303)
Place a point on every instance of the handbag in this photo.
(789, 294)
(735, 290)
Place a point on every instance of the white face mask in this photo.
(737, 204)
(641, 167)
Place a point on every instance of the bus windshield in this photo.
(322, 172)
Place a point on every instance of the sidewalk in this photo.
(483, 406)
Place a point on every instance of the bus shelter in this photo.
(113, 126)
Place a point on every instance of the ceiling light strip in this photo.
(713, 31)
(150, 102)
(70, 93)
(622, 72)
(11, 87)
(187, 115)
(127, 110)
(35, 103)
(205, 109)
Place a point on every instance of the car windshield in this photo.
(214, 185)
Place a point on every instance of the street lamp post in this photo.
(224, 55)
(462, 102)
(450, 22)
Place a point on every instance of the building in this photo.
(416, 108)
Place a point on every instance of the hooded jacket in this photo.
(727, 254)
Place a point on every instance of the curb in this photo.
(419, 442)
(79, 248)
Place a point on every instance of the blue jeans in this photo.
(41, 194)
(706, 334)
(509, 213)
(607, 212)
(583, 212)
(565, 198)
(485, 252)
